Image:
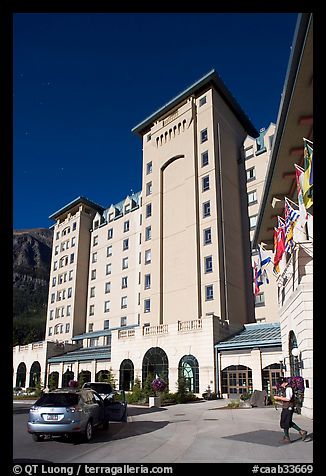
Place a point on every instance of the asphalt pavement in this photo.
(197, 432)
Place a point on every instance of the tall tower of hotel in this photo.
(195, 233)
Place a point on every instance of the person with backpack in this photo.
(286, 397)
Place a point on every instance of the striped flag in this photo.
(299, 172)
(279, 245)
(291, 217)
(308, 175)
(263, 260)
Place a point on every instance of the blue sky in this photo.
(82, 81)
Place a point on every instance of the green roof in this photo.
(253, 335)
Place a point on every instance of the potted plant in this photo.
(158, 385)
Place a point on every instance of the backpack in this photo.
(297, 385)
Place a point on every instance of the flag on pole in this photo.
(308, 175)
(279, 245)
(299, 172)
(263, 260)
(291, 217)
(256, 282)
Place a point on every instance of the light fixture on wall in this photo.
(297, 356)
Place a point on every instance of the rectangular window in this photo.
(52, 297)
(149, 188)
(126, 226)
(207, 236)
(94, 257)
(110, 233)
(125, 263)
(147, 305)
(147, 283)
(109, 251)
(148, 256)
(51, 315)
(252, 197)
(148, 210)
(249, 152)
(204, 158)
(72, 258)
(253, 222)
(124, 282)
(54, 281)
(202, 101)
(208, 264)
(149, 168)
(68, 310)
(206, 209)
(91, 310)
(93, 274)
(107, 287)
(92, 293)
(90, 327)
(70, 275)
(69, 292)
(205, 183)
(260, 300)
(203, 136)
(95, 240)
(123, 321)
(209, 292)
(125, 244)
(108, 268)
(124, 302)
(67, 327)
(74, 225)
(106, 324)
(73, 241)
(251, 174)
(106, 306)
(148, 233)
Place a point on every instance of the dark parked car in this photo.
(114, 400)
(67, 411)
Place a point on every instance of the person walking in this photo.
(287, 399)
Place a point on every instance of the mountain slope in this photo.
(31, 270)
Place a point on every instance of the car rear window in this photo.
(57, 400)
(99, 387)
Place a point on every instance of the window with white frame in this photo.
(148, 256)
(203, 135)
(125, 262)
(126, 226)
(147, 281)
(208, 264)
(148, 233)
(253, 222)
(106, 306)
(109, 251)
(207, 236)
(108, 268)
(106, 324)
(125, 244)
(206, 209)
(92, 293)
(124, 302)
(91, 310)
(209, 295)
(250, 174)
(123, 321)
(124, 282)
(93, 274)
(205, 183)
(95, 240)
(149, 188)
(202, 101)
(252, 197)
(204, 158)
(147, 305)
(107, 287)
(110, 233)
(148, 210)
(94, 257)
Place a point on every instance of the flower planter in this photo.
(154, 401)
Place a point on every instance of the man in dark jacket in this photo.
(287, 399)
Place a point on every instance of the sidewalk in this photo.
(205, 432)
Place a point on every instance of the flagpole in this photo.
(307, 140)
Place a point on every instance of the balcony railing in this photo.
(194, 325)
(154, 330)
(123, 334)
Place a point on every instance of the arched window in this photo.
(189, 370)
(35, 374)
(155, 361)
(270, 376)
(21, 375)
(236, 380)
(53, 380)
(66, 377)
(294, 361)
(126, 375)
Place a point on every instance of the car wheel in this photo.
(88, 431)
(37, 437)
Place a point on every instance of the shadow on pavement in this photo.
(265, 437)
